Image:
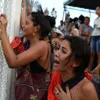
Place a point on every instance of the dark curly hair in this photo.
(40, 19)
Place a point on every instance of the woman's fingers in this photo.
(68, 93)
(23, 3)
(56, 91)
(67, 89)
(3, 21)
(60, 94)
(4, 16)
(60, 89)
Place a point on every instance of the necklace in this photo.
(34, 43)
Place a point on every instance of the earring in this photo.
(33, 34)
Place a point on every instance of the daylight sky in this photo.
(58, 5)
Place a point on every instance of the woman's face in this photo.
(98, 11)
(87, 21)
(28, 29)
(62, 56)
(54, 34)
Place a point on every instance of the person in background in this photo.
(97, 70)
(54, 13)
(95, 40)
(75, 20)
(75, 30)
(46, 12)
(68, 80)
(61, 27)
(81, 20)
(70, 26)
(86, 30)
(56, 33)
(67, 18)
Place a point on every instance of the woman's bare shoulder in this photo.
(87, 85)
(40, 45)
(88, 90)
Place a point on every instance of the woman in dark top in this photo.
(36, 58)
(68, 80)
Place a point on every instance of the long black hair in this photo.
(80, 52)
(40, 19)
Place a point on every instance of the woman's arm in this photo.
(97, 70)
(33, 53)
(83, 33)
(23, 14)
(80, 29)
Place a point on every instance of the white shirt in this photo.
(53, 13)
(96, 31)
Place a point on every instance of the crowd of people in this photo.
(81, 27)
(53, 63)
(53, 13)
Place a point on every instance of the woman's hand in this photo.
(97, 70)
(3, 23)
(23, 3)
(55, 42)
(61, 95)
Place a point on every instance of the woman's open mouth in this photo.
(56, 63)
